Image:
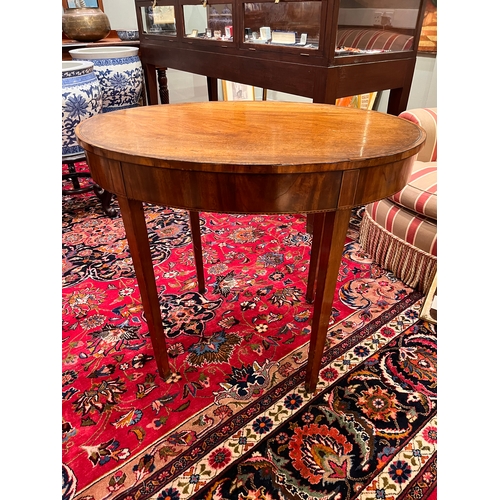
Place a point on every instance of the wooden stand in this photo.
(72, 175)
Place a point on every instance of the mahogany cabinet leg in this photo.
(317, 221)
(398, 100)
(150, 76)
(194, 222)
(335, 225)
(132, 212)
(163, 85)
(212, 88)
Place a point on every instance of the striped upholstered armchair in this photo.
(400, 232)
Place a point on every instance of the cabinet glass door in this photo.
(159, 20)
(209, 21)
(284, 23)
(376, 26)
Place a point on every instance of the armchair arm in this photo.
(427, 119)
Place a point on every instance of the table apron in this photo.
(272, 192)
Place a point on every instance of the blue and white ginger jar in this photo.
(119, 71)
(81, 99)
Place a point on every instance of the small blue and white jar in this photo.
(81, 99)
(119, 71)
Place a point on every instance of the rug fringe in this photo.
(411, 265)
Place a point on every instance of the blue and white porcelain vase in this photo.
(119, 72)
(81, 99)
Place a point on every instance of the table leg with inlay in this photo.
(194, 223)
(331, 247)
(318, 220)
(132, 212)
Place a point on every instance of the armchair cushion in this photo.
(420, 194)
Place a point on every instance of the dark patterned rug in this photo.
(370, 434)
(234, 421)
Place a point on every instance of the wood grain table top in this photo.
(251, 136)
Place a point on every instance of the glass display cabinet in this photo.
(321, 49)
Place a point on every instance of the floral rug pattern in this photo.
(366, 436)
(237, 354)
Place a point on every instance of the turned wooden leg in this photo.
(132, 212)
(194, 222)
(163, 86)
(317, 221)
(335, 225)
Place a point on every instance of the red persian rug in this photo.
(234, 421)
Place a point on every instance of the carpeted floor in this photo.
(234, 421)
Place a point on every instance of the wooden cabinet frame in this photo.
(322, 75)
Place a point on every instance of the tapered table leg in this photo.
(335, 225)
(194, 222)
(132, 212)
(318, 220)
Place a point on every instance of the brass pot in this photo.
(85, 24)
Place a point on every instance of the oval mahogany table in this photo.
(249, 157)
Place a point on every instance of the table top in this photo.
(252, 134)
(289, 157)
